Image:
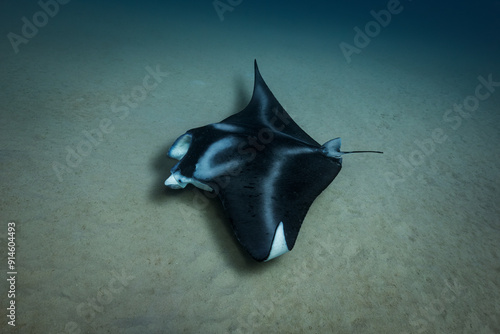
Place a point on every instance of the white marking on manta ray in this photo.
(178, 181)
(180, 147)
(279, 246)
(173, 183)
(178, 150)
(206, 169)
(227, 127)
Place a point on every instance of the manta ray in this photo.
(262, 166)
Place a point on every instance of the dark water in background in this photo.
(467, 24)
(402, 243)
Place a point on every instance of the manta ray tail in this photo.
(332, 149)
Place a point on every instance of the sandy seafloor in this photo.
(405, 242)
